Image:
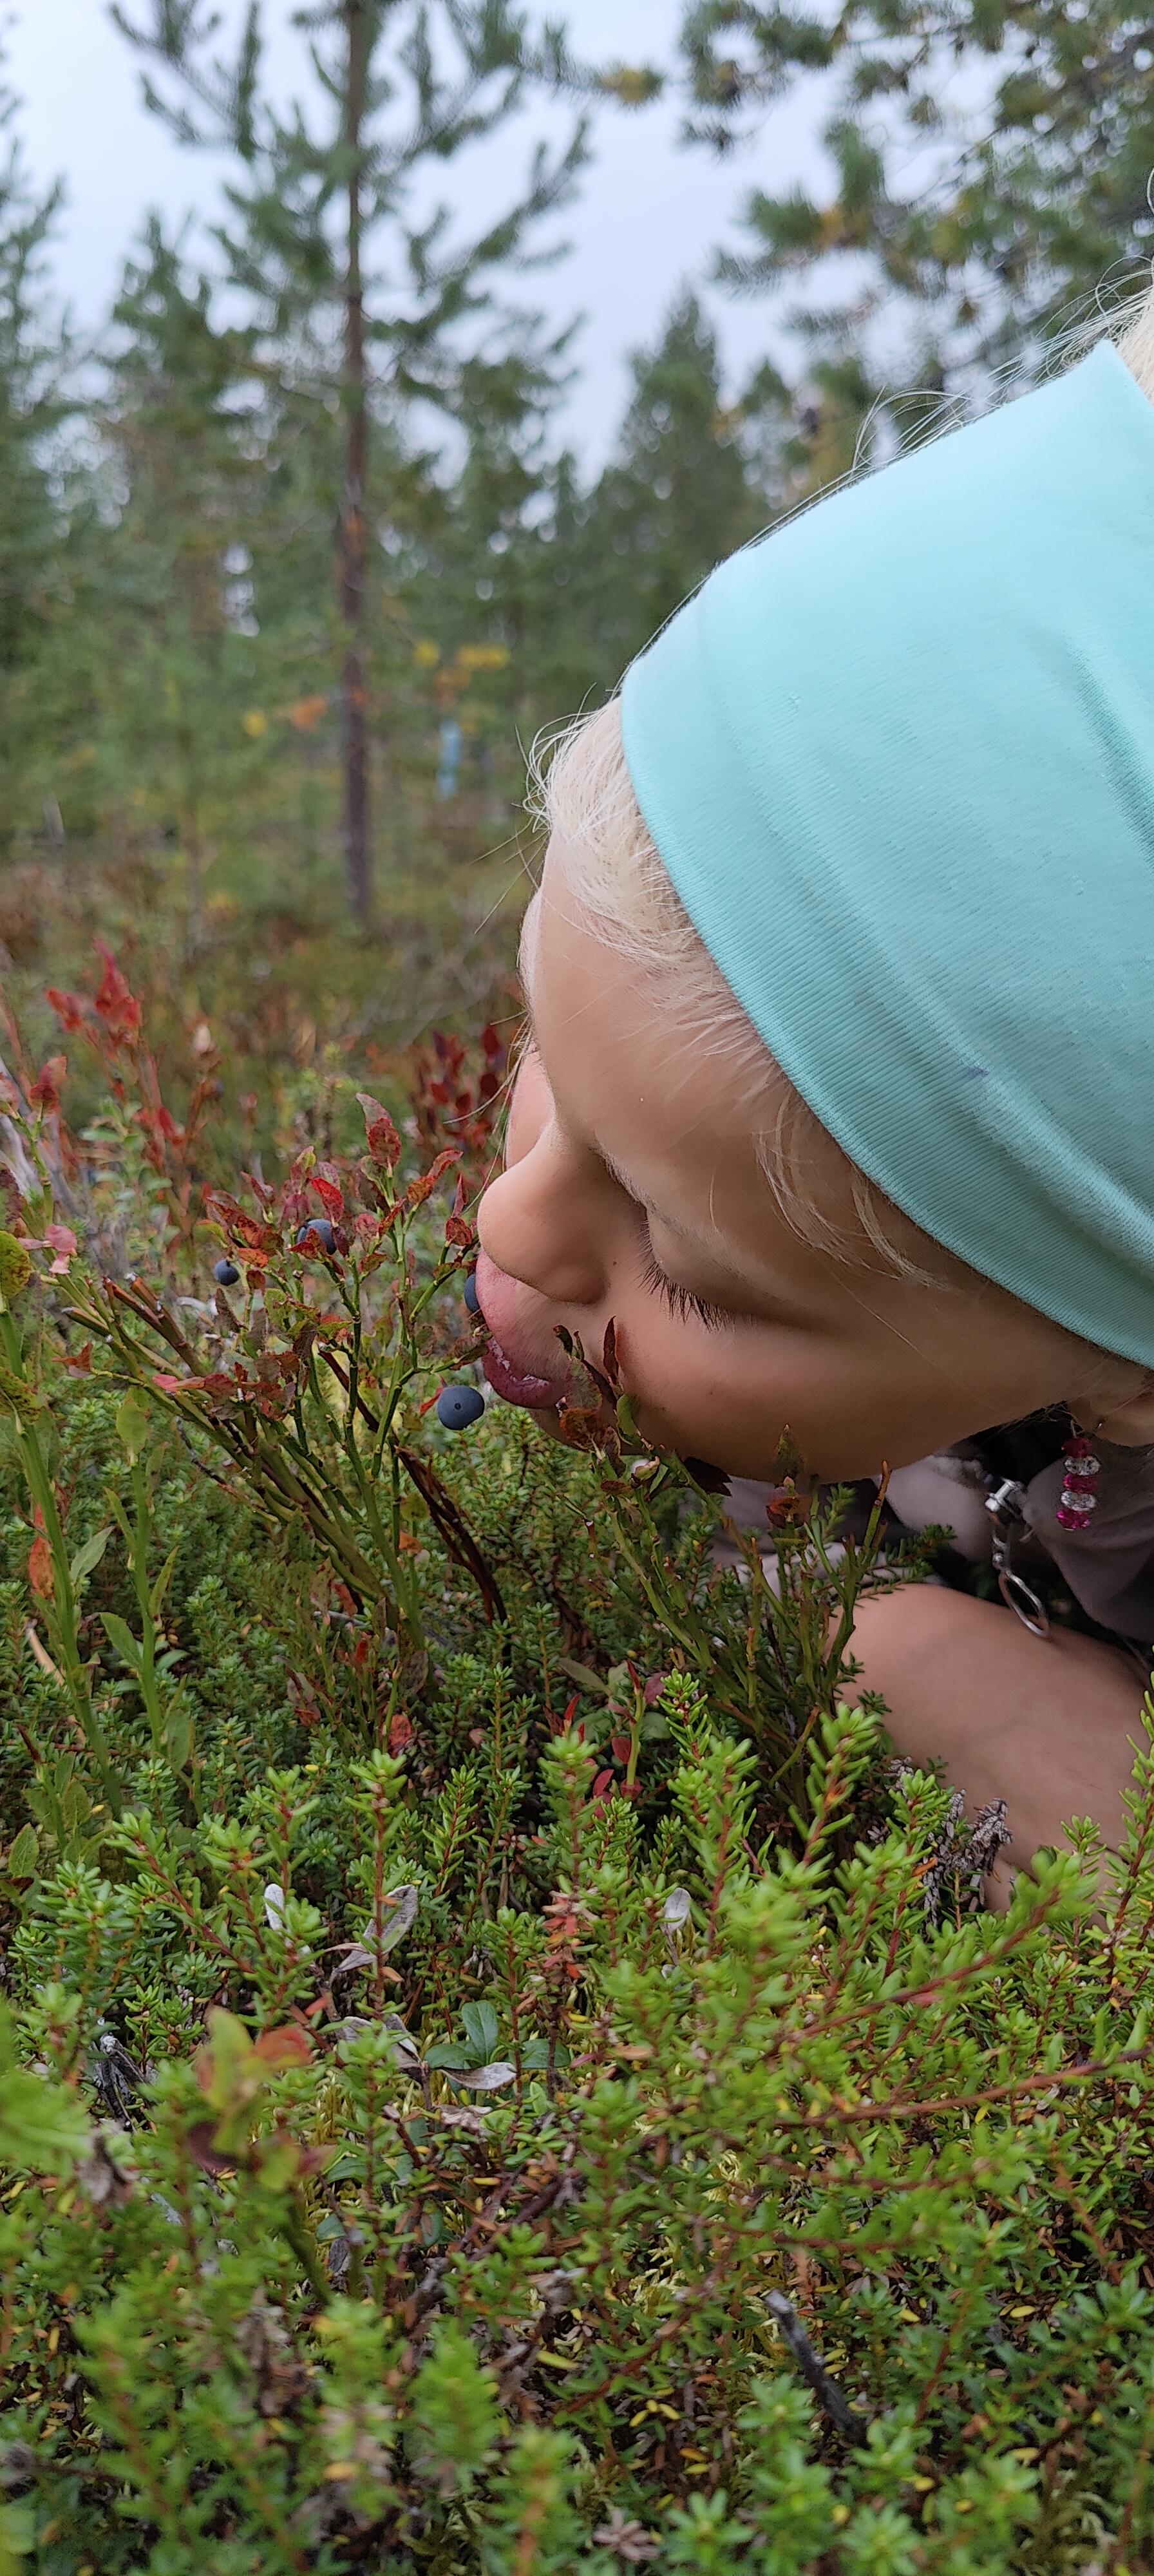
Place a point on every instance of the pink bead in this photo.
(1071, 1520)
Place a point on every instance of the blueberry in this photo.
(226, 1274)
(319, 1228)
(472, 1300)
(458, 1406)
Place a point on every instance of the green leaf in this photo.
(133, 1423)
(88, 1557)
(120, 1635)
(177, 1734)
(482, 2029)
(24, 1854)
(15, 1266)
(41, 2124)
(17, 2536)
(16, 1396)
(75, 1805)
(120, 1516)
(162, 1582)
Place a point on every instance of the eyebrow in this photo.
(692, 1235)
(695, 1237)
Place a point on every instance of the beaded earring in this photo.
(1078, 1500)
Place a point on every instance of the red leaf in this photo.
(423, 1187)
(45, 1091)
(236, 1226)
(116, 1002)
(217, 1385)
(401, 1731)
(69, 1009)
(40, 1569)
(199, 2141)
(62, 1243)
(622, 1747)
(287, 2046)
(330, 1196)
(384, 1142)
(602, 1784)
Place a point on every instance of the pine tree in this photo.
(398, 90)
(1029, 134)
(33, 362)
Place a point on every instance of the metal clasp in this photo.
(1004, 1505)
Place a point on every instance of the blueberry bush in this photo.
(502, 2073)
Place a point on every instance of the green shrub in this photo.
(502, 2073)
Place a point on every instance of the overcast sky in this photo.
(645, 221)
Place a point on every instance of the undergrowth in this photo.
(501, 2072)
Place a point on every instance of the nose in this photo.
(538, 1223)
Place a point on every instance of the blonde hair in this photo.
(582, 793)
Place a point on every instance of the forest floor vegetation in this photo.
(502, 2072)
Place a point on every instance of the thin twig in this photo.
(812, 2367)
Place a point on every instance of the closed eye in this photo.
(681, 1301)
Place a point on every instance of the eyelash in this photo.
(682, 1302)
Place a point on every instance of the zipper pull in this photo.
(1004, 1505)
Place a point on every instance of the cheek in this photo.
(730, 1396)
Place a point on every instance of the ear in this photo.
(1129, 1421)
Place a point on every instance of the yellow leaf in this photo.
(255, 723)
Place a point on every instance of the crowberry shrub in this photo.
(500, 2072)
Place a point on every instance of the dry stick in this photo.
(809, 2360)
(455, 1532)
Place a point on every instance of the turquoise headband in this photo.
(898, 758)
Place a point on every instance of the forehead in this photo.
(630, 1071)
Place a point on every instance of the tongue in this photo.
(519, 1388)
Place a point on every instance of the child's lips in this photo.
(521, 1386)
(508, 1369)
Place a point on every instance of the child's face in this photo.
(630, 1165)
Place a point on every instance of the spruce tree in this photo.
(681, 493)
(182, 420)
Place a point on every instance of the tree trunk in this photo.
(352, 535)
